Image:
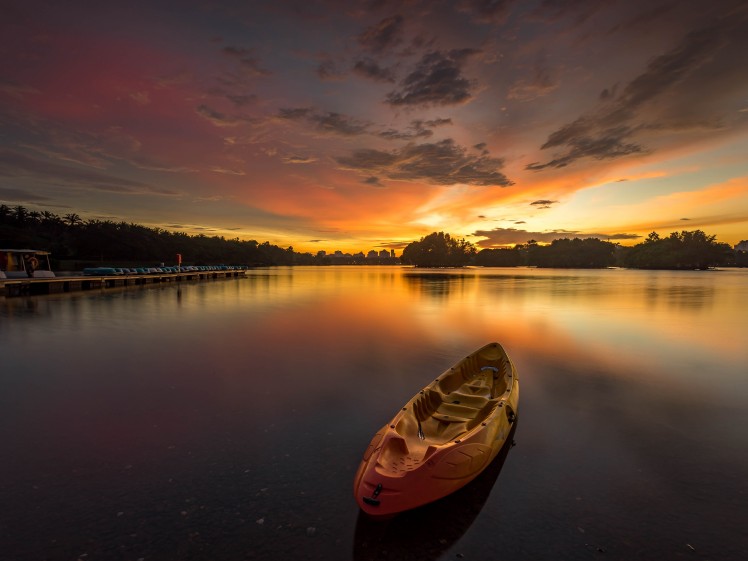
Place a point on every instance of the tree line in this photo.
(80, 243)
(686, 250)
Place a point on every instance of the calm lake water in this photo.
(225, 420)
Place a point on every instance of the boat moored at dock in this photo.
(25, 264)
(109, 277)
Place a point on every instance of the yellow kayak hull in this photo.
(443, 437)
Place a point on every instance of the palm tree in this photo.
(4, 213)
(22, 214)
(49, 217)
(73, 219)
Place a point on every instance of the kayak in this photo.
(445, 436)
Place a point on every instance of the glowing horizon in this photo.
(334, 125)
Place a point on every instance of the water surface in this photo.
(224, 420)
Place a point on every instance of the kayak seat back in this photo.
(426, 404)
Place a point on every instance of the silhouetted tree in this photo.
(73, 219)
(116, 243)
(684, 250)
(590, 253)
(438, 250)
(498, 258)
(4, 214)
(21, 215)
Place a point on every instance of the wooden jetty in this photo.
(56, 285)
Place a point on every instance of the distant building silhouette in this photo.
(371, 257)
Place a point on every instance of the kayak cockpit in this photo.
(456, 402)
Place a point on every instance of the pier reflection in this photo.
(425, 533)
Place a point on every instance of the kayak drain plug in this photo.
(373, 500)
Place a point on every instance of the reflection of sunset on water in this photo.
(253, 399)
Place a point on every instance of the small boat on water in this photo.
(24, 264)
(443, 437)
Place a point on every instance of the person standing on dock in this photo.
(30, 262)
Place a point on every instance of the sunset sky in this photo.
(366, 125)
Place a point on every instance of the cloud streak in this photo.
(512, 236)
(609, 132)
(439, 163)
(384, 35)
(17, 165)
(326, 122)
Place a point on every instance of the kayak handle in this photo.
(373, 501)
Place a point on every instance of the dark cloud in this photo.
(369, 68)
(247, 62)
(486, 11)
(373, 180)
(608, 145)
(295, 113)
(508, 236)
(328, 70)
(418, 128)
(335, 123)
(393, 134)
(609, 131)
(386, 34)
(438, 122)
(436, 80)
(543, 203)
(667, 70)
(607, 94)
(441, 163)
(220, 119)
(328, 122)
(241, 100)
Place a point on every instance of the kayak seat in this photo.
(468, 399)
(484, 412)
(455, 413)
(465, 407)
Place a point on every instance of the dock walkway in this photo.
(56, 285)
